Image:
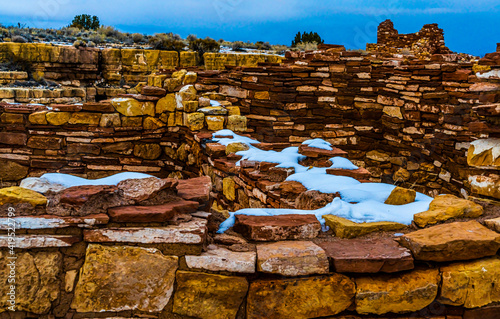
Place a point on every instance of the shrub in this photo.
(85, 21)
(307, 46)
(201, 46)
(162, 41)
(79, 43)
(237, 46)
(260, 45)
(137, 37)
(191, 37)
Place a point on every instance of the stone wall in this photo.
(63, 63)
(408, 121)
(429, 40)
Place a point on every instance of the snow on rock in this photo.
(318, 143)
(493, 74)
(359, 202)
(483, 145)
(57, 181)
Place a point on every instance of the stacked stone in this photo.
(9, 77)
(67, 95)
(219, 61)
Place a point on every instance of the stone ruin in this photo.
(429, 40)
(148, 247)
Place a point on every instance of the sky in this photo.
(470, 26)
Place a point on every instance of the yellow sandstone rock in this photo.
(16, 195)
(233, 110)
(345, 228)
(399, 293)
(484, 152)
(445, 207)
(58, 118)
(137, 278)
(214, 122)
(472, 284)
(147, 151)
(11, 118)
(236, 147)
(38, 118)
(166, 104)
(132, 107)
(229, 188)
(152, 123)
(401, 196)
(87, 118)
(237, 123)
(195, 121)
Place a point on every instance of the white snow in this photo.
(70, 180)
(493, 74)
(319, 143)
(214, 103)
(359, 202)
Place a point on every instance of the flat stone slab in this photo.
(359, 174)
(275, 228)
(141, 189)
(52, 221)
(222, 259)
(454, 241)
(157, 213)
(300, 298)
(345, 228)
(137, 278)
(367, 255)
(317, 152)
(292, 258)
(195, 189)
(38, 241)
(79, 195)
(191, 233)
(493, 224)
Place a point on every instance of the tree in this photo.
(86, 21)
(311, 37)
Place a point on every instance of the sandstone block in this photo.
(16, 195)
(54, 118)
(12, 171)
(166, 104)
(292, 258)
(455, 241)
(38, 118)
(493, 224)
(208, 296)
(486, 185)
(222, 259)
(86, 118)
(147, 151)
(401, 196)
(300, 298)
(214, 122)
(110, 120)
(345, 228)
(275, 228)
(152, 214)
(195, 121)
(398, 293)
(139, 279)
(132, 107)
(45, 142)
(79, 195)
(237, 123)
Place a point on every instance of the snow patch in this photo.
(318, 143)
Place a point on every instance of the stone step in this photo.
(454, 241)
(359, 174)
(319, 152)
(275, 228)
(292, 258)
(367, 255)
(157, 213)
(52, 221)
(38, 241)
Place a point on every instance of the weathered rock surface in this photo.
(41, 185)
(51, 221)
(471, 284)
(132, 107)
(445, 207)
(486, 185)
(275, 228)
(136, 278)
(79, 195)
(208, 296)
(151, 214)
(38, 241)
(397, 293)
(300, 298)
(345, 228)
(16, 195)
(493, 224)
(144, 188)
(221, 259)
(37, 280)
(196, 189)
(484, 152)
(401, 196)
(367, 255)
(292, 258)
(455, 241)
(12, 171)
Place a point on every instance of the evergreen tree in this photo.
(86, 21)
(307, 38)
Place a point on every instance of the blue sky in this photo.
(470, 26)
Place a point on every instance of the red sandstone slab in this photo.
(271, 146)
(215, 150)
(153, 90)
(359, 174)
(102, 107)
(275, 228)
(317, 152)
(66, 107)
(157, 213)
(79, 195)
(367, 255)
(13, 138)
(195, 189)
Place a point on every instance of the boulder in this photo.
(208, 296)
(345, 228)
(300, 298)
(445, 207)
(472, 284)
(367, 255)
(16, 195)
(292, 258)
(138, 279)
(454, 241)
(401, 196)
(37, 280)
(275, 228)
(399, 293)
